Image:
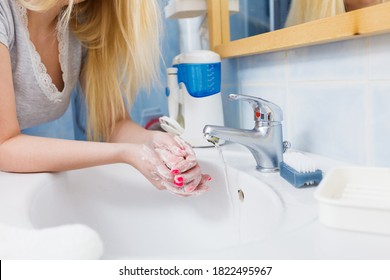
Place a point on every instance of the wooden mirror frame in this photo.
(363, 22)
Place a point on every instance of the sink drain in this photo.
(241, 195)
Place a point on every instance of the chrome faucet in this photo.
(265, 140)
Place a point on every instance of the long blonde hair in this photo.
(122, 38)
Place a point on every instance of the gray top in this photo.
(37, 98)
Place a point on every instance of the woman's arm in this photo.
(22, 153)
(127, 131)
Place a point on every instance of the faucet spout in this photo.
(212, 139)
(264, 141)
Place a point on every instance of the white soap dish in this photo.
(355, 198)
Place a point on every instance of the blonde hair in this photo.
(302, 11)
(122, 38)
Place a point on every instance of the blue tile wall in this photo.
(335, 97)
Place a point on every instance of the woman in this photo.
(46, 47)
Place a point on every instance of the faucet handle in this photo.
(264, 110)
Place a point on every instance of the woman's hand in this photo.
(170, 163)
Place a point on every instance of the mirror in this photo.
(261, 16)
(251, 35)
(257, 17)
(302, 11)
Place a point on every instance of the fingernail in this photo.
(178, 184)
(175, 171)
(191, 189)
(180, 179)
(209, 179)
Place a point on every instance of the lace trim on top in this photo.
(44, 80)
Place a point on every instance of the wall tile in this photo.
(231, 111)
(379, 57)
(379, 121)
(262, 68)
(328, 119)
(344, 60)
(275, 93)
(229, 72)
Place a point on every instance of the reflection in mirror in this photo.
(302, 11)
(351, 5)
(257, 17)
(261, 16)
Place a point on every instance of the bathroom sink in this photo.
(135, 220)
(260, 217)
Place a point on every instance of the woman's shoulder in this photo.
(6, 20)
(5, 7)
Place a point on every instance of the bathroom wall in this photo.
(335, 97)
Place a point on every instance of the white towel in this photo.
(61, 243)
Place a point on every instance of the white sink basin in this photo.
(135, 220)
(270, 219)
